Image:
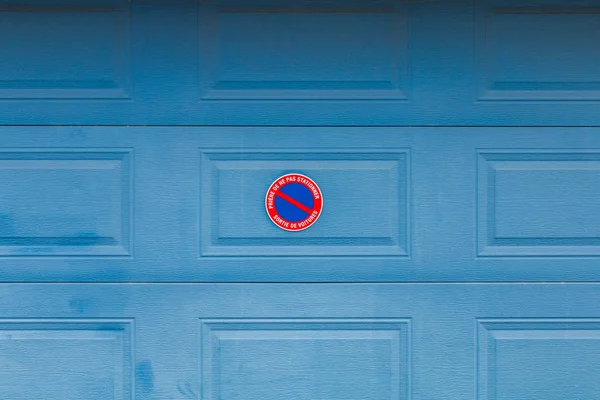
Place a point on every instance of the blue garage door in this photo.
(456, 146)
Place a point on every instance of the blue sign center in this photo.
(289, 211)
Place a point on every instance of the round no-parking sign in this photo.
(294, 202)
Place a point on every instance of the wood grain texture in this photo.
(382, 341)
(310, 63)
(156, 204)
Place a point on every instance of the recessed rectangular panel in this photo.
(538, 359)
(536, 203)
(306, 359)
(538, 50)
(65, 360)
(65, 202)
(63, 49)
(365, 201)
(305, 50)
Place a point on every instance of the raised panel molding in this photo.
(351, 359)
(523, 53)
(65, 50)
(66, 359)
(538, 203)
(268, 51)
(375, 223)
(65, 202)
(549, 359)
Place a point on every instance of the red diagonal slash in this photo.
(294, 202)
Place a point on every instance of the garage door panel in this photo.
(317, 63)
(538, 204)
(67, 359)
(97, 65)
(509, 33)
(229, 182)
(65, 202)
(549, 358)
(400, 204)
(380, 341)
(281, 60)
(278, 358)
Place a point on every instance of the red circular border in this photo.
(287, 225)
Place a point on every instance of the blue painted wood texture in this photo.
(457, 148)
(302, 62)
(166, 204)
(269, 341)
